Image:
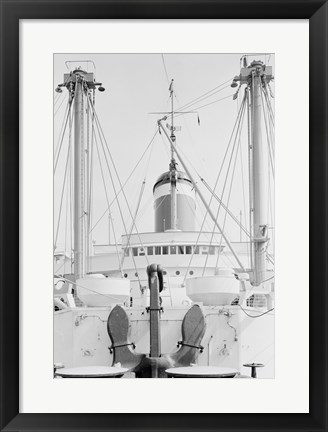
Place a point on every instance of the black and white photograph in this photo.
(164, 215)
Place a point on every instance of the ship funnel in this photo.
(185, 203)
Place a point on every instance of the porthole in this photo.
(136, 274)
(177, 272)
(125, 275)
(164, 272)
(191, 272)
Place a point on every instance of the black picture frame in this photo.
(11, 12)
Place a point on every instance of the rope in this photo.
(241, 117)
(211, 103)
(250, 178)
(167, 77)
(61, 130)
(193, 101)
(87, 237)
(225, 207)
(244, 199)
(67, 211)
(217, 180)
(93, 291)
(58, 108)
(61, 142)
(269, 105)
(255, 316)
(113, 184)
(90, 184)
(56, 97)
(104, 183)
(232, 177)
(71, 187)
(61, 198)
(134, 220)
(124, 195)
(188, 106)
(267, 133)
(126, 181)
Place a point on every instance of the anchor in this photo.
(154, 365)
(118, 328)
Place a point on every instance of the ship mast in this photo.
(80, 84)
(173, 172)
(79, 178)
(256, 76)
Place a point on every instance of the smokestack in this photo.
(185, 202)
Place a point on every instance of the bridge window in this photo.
(173, 250)
(180, 250)
(150, 250)
(204, 250)
(211, 250)
(157, 250)
(188, 250)
(141, 251)
(196, 250)
(126, 252)
(135, 251)
(165, 250)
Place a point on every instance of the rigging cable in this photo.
(139, 200)
(255, 316)
(244, 200)
(71, 188)
(126, 181)
(56, 97)
(232, 177)
(61, 142)
(167, 77)
(225, 182)
(118, 178)
(90, 181)
(106, 193)
(271, 162)
(269, 104)
(210, 103)
(270, 127)
(250, 181)
(200, 99)
(58, 108)
(193, 101)
(113, 184)
(267, 134)
(61, 130)
(116, 299)
(217, 180)
(216, 196)
(134, 221)
(225, 207)
(61, 199)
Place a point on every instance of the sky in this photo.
(136, 85)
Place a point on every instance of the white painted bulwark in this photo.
(102, 291)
